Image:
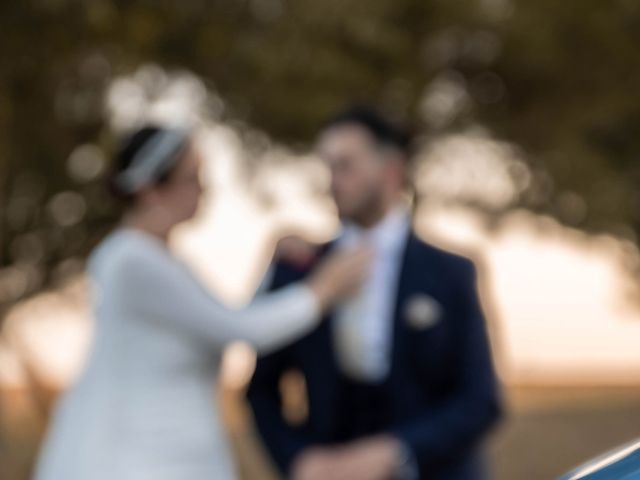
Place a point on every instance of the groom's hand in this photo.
(371, 458)
(315, 463)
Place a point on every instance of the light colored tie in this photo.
(351, 344)
(361, 333)
(363, 326)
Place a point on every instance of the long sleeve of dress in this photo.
(158, 287)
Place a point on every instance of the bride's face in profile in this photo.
(179, 196)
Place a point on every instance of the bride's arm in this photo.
(160, 289)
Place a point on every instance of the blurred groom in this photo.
(399, 380)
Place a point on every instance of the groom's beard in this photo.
(370, 209)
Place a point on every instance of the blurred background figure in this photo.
(527, 140)
(142, 407)
(400, 380)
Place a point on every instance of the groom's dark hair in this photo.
(382, 130)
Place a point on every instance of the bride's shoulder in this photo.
(125, 248)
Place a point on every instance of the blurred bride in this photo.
(143, 408)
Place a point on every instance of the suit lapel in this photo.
(328, 331)
(326, 392)
(412, 275)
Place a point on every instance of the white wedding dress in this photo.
(144, 407)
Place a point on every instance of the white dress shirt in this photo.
(363, 326)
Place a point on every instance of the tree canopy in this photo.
(555, 78)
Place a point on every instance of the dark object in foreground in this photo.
(620, 464)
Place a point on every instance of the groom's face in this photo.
(358, 170)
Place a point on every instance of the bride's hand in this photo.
(340, 274)
(296, 251)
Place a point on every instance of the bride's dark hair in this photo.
(130, 146)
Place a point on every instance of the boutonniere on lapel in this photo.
(422, 312)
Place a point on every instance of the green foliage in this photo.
(557, 78)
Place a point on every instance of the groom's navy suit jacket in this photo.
(444, 393)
